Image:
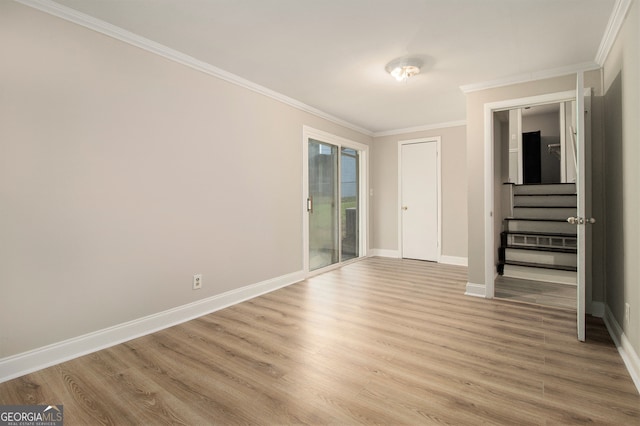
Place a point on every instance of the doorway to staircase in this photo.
(501, 145)
(535, 248)
(537, 257)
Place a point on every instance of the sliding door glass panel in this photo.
(349, 201)
(323, 194)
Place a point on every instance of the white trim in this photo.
(614, 25)
(476, 290)
(489, 255)
(454, 260)
(520, 179)
(421, 128)
(28, 362)
(582, 174)
(533, 76)
(624, 346)
(128, 37)
(395, 254)
(438, 142)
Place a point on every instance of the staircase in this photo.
(537, 242)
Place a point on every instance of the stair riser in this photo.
(542, 213)
(541, 241)
(533, 226)
(545, 200)
(537, 274)
(545, 189)
(542, 257)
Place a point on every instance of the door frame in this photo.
(363, 188)
(489, 198)
(437, 140)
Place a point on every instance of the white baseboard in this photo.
(37, 359)
(596, 309)
(395, 254)
(476, 290)
(385, 253)
(626, 350)
(454, 260)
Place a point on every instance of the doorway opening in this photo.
(535, 161)
(493, 198)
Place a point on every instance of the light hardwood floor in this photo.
(382, 341)
(537, 292)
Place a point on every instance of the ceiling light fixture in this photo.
(403, 68)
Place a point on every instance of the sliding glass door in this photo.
(334, 203)
(323, 205)
(349, 200)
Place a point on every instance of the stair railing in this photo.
(574, 147)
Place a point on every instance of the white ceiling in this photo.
(331, 54)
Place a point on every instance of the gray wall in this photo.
(122, 174)
(622, 176)
(384, 202)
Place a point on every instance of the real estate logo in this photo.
(31, 415)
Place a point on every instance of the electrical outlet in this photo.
(197, 281)
(627, 313)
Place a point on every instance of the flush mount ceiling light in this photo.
(403, 68)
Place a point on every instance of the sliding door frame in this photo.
(363, 199)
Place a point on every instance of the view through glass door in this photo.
(334, 203)
(323, 204)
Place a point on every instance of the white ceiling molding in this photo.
(525, 78)
(420, 128)
(60, 11)
(613, 28)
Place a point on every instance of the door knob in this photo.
(405, 208)
(580, 220)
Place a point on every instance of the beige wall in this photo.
(475, 163)
(384, 183)
(622, 133)
(122, 174)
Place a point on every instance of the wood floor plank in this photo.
(380, 341)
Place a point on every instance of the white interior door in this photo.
(419, 201)
(581, 220)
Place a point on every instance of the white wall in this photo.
(384, 202)
(123, 173)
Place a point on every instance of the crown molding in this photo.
(614, 25)
(420, 128)
(82, 19)
(533, 76)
